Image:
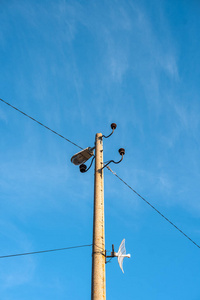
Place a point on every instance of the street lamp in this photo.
(82, 156)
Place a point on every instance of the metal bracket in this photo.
(113, 127)
(83, 168)
(122, 153)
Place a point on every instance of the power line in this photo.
(41, 123)
(154, 208)
(110, 171)
(44, 251)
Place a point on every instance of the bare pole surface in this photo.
(98, 253)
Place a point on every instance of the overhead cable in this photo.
(44, 251)
(40, 123)
(153, 207)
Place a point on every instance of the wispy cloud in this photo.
(188, 116)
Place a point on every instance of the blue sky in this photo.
(78, 66)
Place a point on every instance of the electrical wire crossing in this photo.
(41, 124)
(110, 171)
(44, 251)
(153, 207)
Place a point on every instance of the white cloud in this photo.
(188, 116)
(169, 64)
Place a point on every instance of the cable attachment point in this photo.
(113, 127)
(122, 153)
(83, 168)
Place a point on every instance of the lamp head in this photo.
(82, 156)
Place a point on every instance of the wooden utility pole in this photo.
(98, 291)
(98, 253)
